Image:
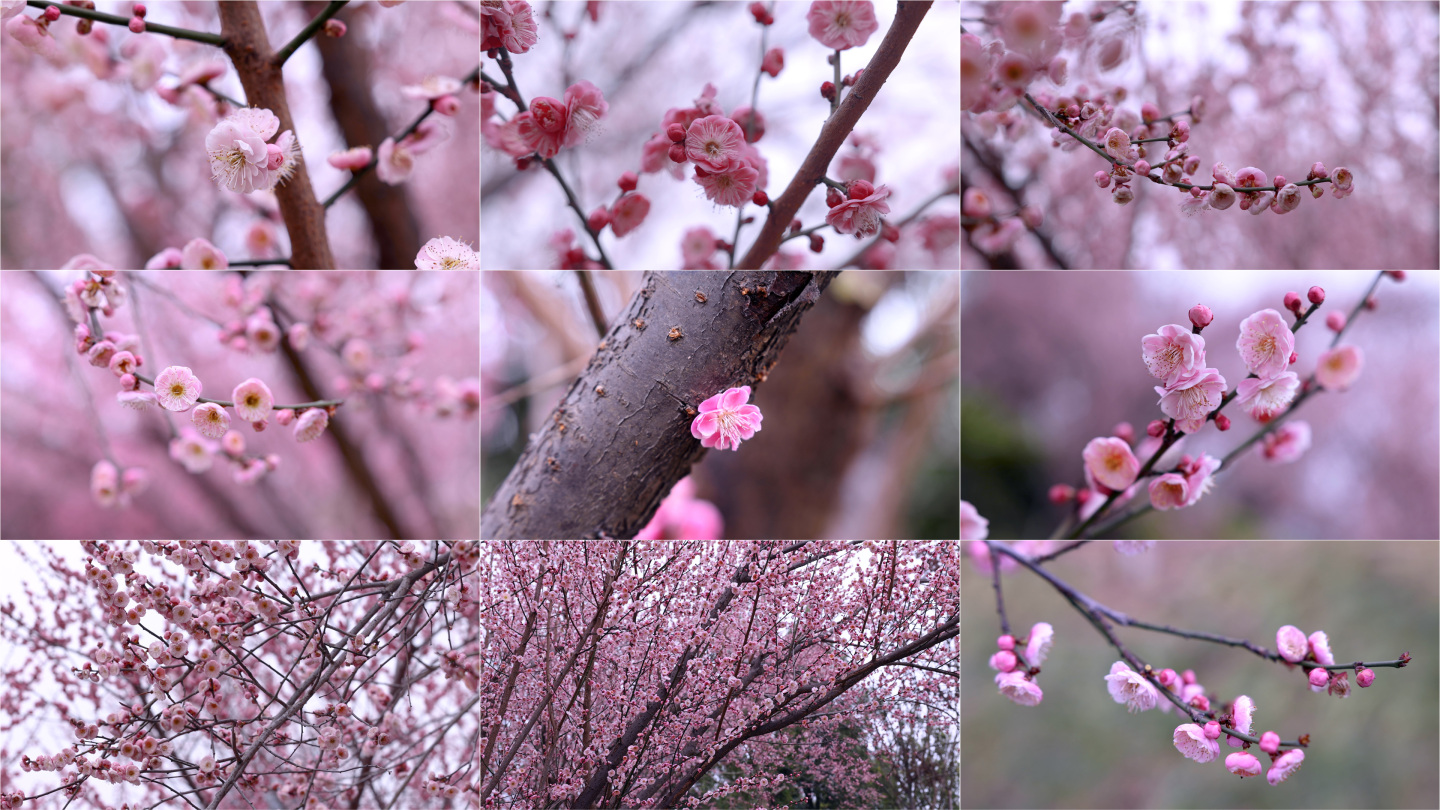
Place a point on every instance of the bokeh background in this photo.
(1080, 749)
(671, 51)
(1050, 360)
(413, 437)
(861, 413)
(90, 164)
(1285, 84)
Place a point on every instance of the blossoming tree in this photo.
(631, 673)
(717, 136)
(270, 401)
(1187, 114)
(183, 167)
(209, 675)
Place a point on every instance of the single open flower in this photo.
(177, 389)
(725, 419)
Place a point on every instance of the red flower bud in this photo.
(827, 91)
(1316, 295)
(1062, 494)
(675, 132)
(833, 197)
(628, 181)
(760, 198)
(1292, 301)
(817, 243)
(1222, 421)
(677, 153)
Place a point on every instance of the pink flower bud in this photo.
(1102, 179)
(1319, 676)
(1212, 730)
(1316, 295)
(1005, 642)
(1149, 112)
(1032, 215)
(628, 181)
(334, 28)
(1003, 661)
(137, 25)
(128, 382)
(859, 190)
(1142, 167)
(1201, 316)
(1200, 702)
(677, 153)
(1167, 676)
(285, 416)
(827, 91)
(833, 197)
(1335, 320)
(1270, 742)
(1073, 111)
(52, 13)
(1365, 677)
(1222, 422)
(1124, 431)
(1279, 181)
(1293, 357)
(598, 219)
(139, 10)
(1292, 301)
(274, 157)
(445, 105)
(1062, 494)
(1181, 131)
(1188, 676)
(1155, 429)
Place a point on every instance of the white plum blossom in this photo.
(1130, 687)
(444, 253)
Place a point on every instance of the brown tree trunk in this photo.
(248, 46)
(620, 438)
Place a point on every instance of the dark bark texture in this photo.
(620, 439)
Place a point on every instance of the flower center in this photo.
(253, 401)
(177, 390)
(842, 20)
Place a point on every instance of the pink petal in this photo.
(711, 404)
(735, 397)
(707, 424)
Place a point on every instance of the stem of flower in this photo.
(112, 19)
(227, 404)
(308, 31)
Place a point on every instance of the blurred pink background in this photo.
(57, 412)
(1050, 360)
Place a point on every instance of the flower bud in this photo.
(1398, 275)
(1319, 676)
(1212, 730)
(1365, 677)
(1222, 422)
(1062, 494)
(760, 198)
(139, 10)
(827, 91)
(1335, 320)
(598, 219)
(833, 197)
(1188, 676)
(1316, 295)
(1155, 429)
(628, 181)
(1270, 742)
(51, 13)
(859, 190)
(1167, 676)
(1201, 316)
(1005, 642)
(677, 153)
(1003, 661)
(1124, 432)
(817, 243)
(1293, 357)
(675, 132)
(447, 105)
(334, 28)
(1292, 302)
(137, 25)
(1142, 167)
(1102, 179)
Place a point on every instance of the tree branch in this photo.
(908, 15)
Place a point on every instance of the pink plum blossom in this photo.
(253, 400)
(1266, 398)
(1244, 715)
(713, 142)
(105, 483)
(1320, 646)
(1265, 344)
(1111, 461)
(1014, 70)
(1122, 194)
(211, 420)
(628, 212)
(682, 516)
(1243, 764)
(238, 152)
(1042, 636)
(1288, 763)
(1191, 741)
(177, 388)
(445, 253)
(842, 24)
(1200, 476)
(697, 245)
(725, 419)
(1003, 661)
(396, 161)
(1191, 397)
(508, 24)
(1338, 368)
(1172, 353)
(1222, 197)
(585, 105)
(1117, 143)
(311, 424)
(1130, 687)
(199, 254)
(860, 215)
(1319, 679)
(1287, 199)
(1286, 443)
(974, 527)
(196, 454)
(136, 400)
(1169, 491)
(432, 87)
(1292, 643)
(733, 186)
(1019, 688)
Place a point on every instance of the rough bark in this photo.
(908, 14)
(248, 46)
(620, 438)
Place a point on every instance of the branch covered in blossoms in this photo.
(1140, 686)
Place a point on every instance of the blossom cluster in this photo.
(240, 157)
(548, 125)
(1016, 668)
